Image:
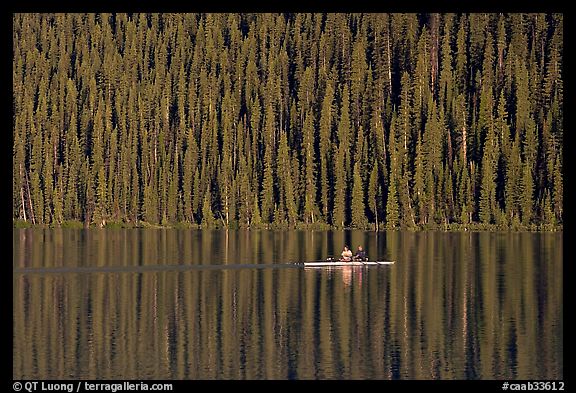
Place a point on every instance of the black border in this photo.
(471, 6)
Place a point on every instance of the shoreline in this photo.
(453, 227)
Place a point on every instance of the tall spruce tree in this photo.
(358, 206)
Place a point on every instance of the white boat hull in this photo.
(343, 263)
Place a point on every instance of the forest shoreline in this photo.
(425, 121)
(453, 227)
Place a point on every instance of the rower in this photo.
(346, 254)
(360, 254)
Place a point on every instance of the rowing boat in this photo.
(344, 263)
(187, 267)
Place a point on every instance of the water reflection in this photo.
(352, 272)
(455, 306)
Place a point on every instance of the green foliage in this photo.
(326, 121)
(338, 214)
(527, 192)
(285, 184)
(373, 193)
(413, 120)
(358, 206)
(488, 212)
(309, 170)
(392, 218)
(208, 220)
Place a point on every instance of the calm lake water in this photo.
(141, 304)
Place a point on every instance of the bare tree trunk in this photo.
(227, 211)
(30, 199)
(389, 65)
(22, 201)
(410, 205)
(22, 192)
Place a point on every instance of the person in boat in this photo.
(360, 254)
(346, 254)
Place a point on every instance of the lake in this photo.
(190, 304)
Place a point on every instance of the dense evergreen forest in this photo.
(288, 120)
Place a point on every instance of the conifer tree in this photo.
(558, 190)
(487, 204)
(267, 195)
(512, 191)
(309, 178)
(208, 220)
(392, 205)
(548, 217)
(326, 119)
(527, 192)
(255, 219)
(338, 214)
(358, 206)
(286, 185)
(344, 127)
(373, 193)
(419, 193)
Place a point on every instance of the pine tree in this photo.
(465, 196)
(57, 192)
(172, 192)
(267, 195)
(392, 218)
(419, 193)
(358, 206)
(338, 214)
(309, 178)
(548, 217)
(256, 219)
(358, 76)
(373, 192)
(392, 208)
(344, 133)
(487, 204)
(286, 185)
(446, 73)
(512, 184)
(558, 190)
(326, 118)
(527, 192)
(431, 156)
(461, 76)
(488, 188)
(37, 209)
(448, 197)
(501, 43)
(404, 116)
(208, 220)
(522, 99)
(188, 168)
